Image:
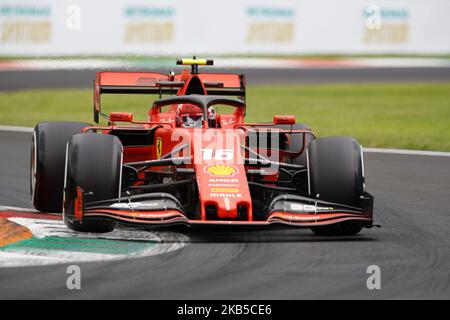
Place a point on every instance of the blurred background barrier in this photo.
(241, 27)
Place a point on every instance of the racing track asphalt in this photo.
(412, 248)
(19, 80)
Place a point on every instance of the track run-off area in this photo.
(412, 247)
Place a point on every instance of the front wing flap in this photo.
(308, 212)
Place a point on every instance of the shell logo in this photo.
(222, 170)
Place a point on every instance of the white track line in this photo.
(8, 208)
(15, 129)
(368, 150)
(408, 152)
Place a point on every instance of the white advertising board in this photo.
(178, 27)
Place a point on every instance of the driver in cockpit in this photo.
(190, 116)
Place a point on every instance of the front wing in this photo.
(163, 209)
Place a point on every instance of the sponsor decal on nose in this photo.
(222, 170)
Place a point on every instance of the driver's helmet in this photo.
(191, 120)
(189, 116)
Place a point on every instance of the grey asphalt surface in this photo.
(412, 248)
(18, 80)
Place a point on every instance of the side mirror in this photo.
(284, 119)
(120, 117)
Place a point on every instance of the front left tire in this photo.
(335, 170)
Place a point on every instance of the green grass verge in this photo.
(411, 116)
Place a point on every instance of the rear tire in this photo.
(94, 163)
(296, 143)
(295, 139)
(336, 174)
(48, 151)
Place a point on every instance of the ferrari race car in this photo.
(194, 161)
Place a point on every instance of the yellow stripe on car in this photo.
(193, 61)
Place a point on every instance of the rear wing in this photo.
(225, 84)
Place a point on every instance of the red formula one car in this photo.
(195, 162)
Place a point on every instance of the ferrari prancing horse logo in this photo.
(158, 147)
